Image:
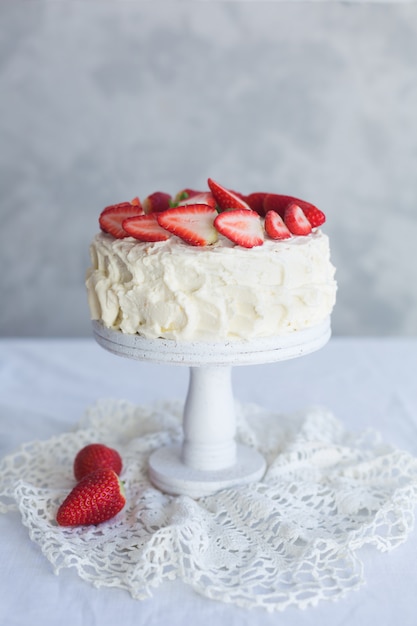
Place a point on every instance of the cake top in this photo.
(198, 217)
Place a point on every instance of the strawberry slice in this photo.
(205, 197)
(136, 202)
(275, 226)
(145, 228)
(192, 223)
(225, 198)
(314, 215)
(256, 201)
(242, 226)
(186, 193)
(296, 221)
(156, 202)
(112, 217)
(278, 202)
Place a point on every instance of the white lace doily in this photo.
(291, 539)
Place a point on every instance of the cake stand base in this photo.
(209, 458)
(168, 472)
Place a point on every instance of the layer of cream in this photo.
(220, 292)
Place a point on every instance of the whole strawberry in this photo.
(98, 497)
(96, 456)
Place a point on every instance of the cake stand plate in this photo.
(209, 458)
(202, 353)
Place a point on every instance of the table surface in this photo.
(45, 388)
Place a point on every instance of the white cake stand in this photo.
(209, 458)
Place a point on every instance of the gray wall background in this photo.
(102, 101)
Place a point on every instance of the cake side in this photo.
(221, 291)
(171, 290)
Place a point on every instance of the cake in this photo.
(211, 266)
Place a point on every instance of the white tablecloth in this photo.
(45, 387)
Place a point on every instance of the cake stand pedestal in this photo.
(209, 458)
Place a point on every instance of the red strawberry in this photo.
(225, 198)
(276, 202)
(314, 215)
(205, 197)
(111, 218)
(136, 202)
(242, 226)
(96, 456)
(98, 497)
(256, 201)
(275, 226)
(185, 194)
(145, 228)
(279, 202)
(192, 223)
(156, 202)
(296, 221)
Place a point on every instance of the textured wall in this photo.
(100, 102)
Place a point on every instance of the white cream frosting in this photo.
(213, 293)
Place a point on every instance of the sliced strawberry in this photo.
(145, 228)
(314, 215)
(112, 218)
(225, 198)
(192, 223)
(156, 202)
(205, 197)
(136, 202)
(242, 226)
(278, 202)
(296, 221)
(256, 201)
(275, 226)
(185, 194)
